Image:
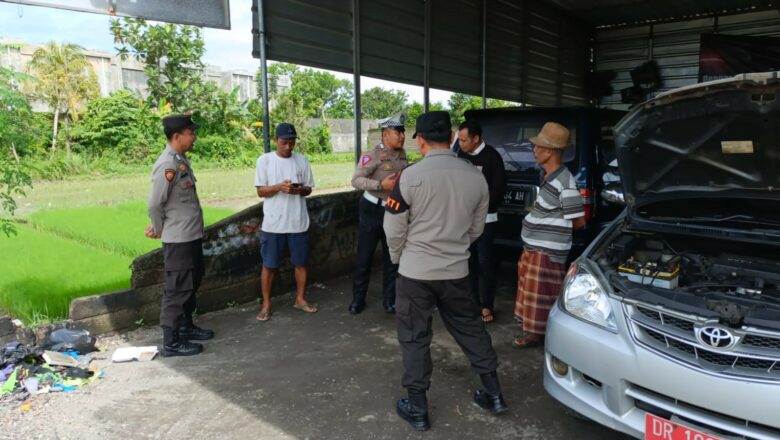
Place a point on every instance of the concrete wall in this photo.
(232, 258)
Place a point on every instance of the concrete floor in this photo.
(325, 376)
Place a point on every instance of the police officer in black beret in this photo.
(434, 212)
(177, 219)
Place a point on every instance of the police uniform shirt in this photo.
(174, 207)
(374, 166)
(435, 211)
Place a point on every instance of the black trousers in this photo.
(415, 301)
(183, 274)
(482, 267)
(371, 233)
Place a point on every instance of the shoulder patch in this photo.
(395, 201)
(170, 174)
(365, 159)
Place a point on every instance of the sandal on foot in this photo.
(306, 307)
(529, 340)
(487, 316)
(264, 315)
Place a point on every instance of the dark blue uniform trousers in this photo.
(370, 233)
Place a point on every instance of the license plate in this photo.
(657, 428)
(516, 196)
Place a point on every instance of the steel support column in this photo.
(356, 73)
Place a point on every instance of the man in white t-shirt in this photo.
(284, 179)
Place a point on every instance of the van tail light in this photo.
(587, 203)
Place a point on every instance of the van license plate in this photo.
(657, 428)
(514, 196)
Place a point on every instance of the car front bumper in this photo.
(615, 382)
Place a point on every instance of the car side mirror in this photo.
(613, 194)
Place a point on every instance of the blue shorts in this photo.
(272, 248)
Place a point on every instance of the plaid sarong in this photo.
(539, 281)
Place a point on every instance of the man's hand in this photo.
(389, 182)
(149, 232)
(578, 223)
(286, 187)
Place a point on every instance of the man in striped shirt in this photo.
(547, 235)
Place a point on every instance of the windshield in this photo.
(511, 140)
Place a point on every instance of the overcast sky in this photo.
(228, 49)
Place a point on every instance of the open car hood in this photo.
(715, 139)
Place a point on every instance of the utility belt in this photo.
(373, 199)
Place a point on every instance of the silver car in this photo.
(668, 325)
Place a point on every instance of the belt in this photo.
(373, 199)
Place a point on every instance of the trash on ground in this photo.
(53, 358)
(66, 339)
(27, 371)
(142, 354)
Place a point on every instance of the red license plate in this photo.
(657, 428)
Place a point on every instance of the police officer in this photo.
(177, 219)
(375, 175)
(436, 210)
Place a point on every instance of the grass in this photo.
(118, 229)
(83, 233)
(42, 273)
(213, 185)
(68, 253)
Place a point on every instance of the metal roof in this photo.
(607, 13)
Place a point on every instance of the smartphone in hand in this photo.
(296, 185)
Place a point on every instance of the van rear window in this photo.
(512, 143)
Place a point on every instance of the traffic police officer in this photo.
(435, 211)
(177, 219)
(375, 175)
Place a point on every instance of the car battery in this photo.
(664, 273)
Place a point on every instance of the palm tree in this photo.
(65, 81)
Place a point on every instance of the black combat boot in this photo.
(357, 306)
(188, 331)
(173, 345)
(414, 410)
(490, 397)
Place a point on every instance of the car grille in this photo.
(755, 356)
(724, 426)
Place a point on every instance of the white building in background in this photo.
(114, 74)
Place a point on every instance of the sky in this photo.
(228, 49)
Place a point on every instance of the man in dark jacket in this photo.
(482, 263)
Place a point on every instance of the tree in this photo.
(65, 81)
(310, 94)
(171, 55)
(122, 124)
(16, 118)
(459, 103)
(416, 109)
(378, 103)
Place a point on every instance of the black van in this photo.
(588, 159)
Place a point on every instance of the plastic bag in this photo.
(14, 353)
(71, 340)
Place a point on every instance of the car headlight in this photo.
(585, 298)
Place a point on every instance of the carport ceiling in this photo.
(607, 13)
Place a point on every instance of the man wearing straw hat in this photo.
(547, 235)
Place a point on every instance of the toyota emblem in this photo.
(716, 337)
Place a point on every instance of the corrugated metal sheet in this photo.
(535, 53)
(601, 13)
(675, 46)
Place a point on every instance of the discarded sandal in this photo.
(306, 307)
(264, 315)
